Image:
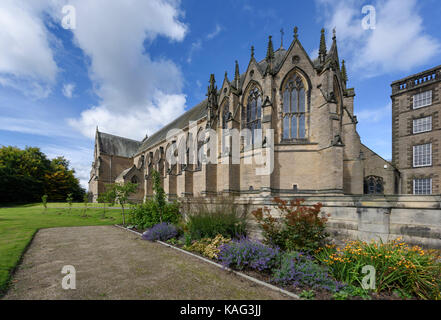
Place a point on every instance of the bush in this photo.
(225, 219)
(300, 270)
(162, 231)
(397, 266)
(300, 228)
(246, 253)
(209, 247)
(147, 214)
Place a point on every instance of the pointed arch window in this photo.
(373, 185)
(251, 115)
(294, 109)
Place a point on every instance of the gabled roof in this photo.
(115, 145)
(124, 173)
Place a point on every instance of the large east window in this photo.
(422, 125)
(422, 186)
(422, 155)
(294, 109)
(422, 99)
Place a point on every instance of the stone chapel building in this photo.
(314, 146)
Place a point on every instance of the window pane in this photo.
(302, 100)
(422, 155)
(294, 101)
(294, 127)
(302, 131)
(422, 186)
(259, 107)
(286, 101)
(286, 127)
(422, 99)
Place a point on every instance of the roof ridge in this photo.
(114, 135)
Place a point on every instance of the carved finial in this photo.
(344, 74)
(252, 51)
(296, 32)
(334, 37)
(322, 49)
(236, 75)
(270, 51)
(282, 33)
(226, 74)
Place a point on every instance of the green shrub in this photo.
(147, 214)
(300, 228)
(210, 220)
(398, 266)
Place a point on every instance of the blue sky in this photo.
(130, 67)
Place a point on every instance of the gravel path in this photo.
(112, 263)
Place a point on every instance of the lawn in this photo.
(19, 223)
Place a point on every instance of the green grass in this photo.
(19, 224)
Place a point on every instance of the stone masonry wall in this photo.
(416, 219)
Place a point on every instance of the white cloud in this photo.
(36, 127)
(133, 87)
(374, 115)
(134, 124)
(26, 60)
(397, 44)
(195, 46)
(215, 33)
(68, 90)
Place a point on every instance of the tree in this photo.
(44, 201)
(69, 200)
(86, 201)
(107, 197)
(26, 175)
(122, 193)
(159, 193)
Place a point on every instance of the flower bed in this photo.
(302, 260)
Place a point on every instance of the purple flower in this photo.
(162, 231)
(246, 253)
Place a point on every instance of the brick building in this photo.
(300, 116)
(416, 131)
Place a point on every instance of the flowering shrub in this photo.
(300, 228)
(300, 270)
(397, 265)
(209, 247)
(162, 231)
(246, 253)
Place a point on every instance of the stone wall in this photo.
(416, 219)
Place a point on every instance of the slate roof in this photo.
(118, 146)
(123, 174)
(197, 112)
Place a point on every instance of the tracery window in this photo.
(294, 109)
(373, 185)
(251, 114)
(225, 132)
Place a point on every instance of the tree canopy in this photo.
(26, 175)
